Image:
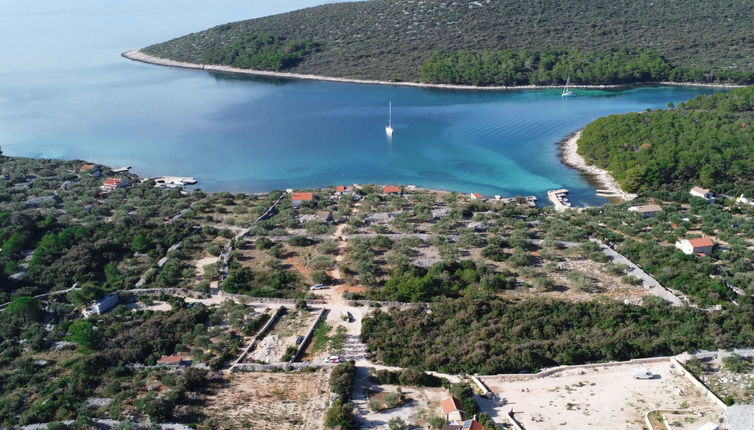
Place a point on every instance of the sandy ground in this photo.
(599, 398)
(204, 262)
(571, 158)
(422, 403)
(271, 401)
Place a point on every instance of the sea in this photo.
(65, 92)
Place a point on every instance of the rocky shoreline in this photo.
(571, 158)
(137, 55)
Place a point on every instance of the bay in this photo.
(65, 92)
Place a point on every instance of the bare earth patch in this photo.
(600, 397)
(271, 401)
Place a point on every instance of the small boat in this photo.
(389, 128)
(566, 91)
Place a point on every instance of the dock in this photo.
(558, 199)
(173, 181)
(122, 169)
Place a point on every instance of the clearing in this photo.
(270, 401)
(599, 397)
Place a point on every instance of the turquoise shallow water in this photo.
(252, 134)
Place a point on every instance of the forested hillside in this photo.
(707, 141)
(392, 40)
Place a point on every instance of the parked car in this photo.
(318, 287)
(334, 359)
(642, 373)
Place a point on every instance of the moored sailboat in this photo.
(389, 128)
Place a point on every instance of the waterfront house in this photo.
(113, 183)
(476, 196)
(703, 193)
(646, 211)
(390, 189)
(174, 361)
(451, 407)
(343, 189)
(699, 246)
(297, 199)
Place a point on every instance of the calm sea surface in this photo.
(66, 92)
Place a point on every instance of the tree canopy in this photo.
(707, 141)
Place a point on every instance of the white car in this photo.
(334, 359)
(318, 287)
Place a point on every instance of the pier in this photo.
(558, 199)
(173, 181)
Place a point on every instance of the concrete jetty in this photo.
(558, 199)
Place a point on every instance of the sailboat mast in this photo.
(390, 120)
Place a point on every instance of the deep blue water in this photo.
(66, 92)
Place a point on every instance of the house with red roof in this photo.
(391, 189)
(476, 196)
(113, 183)
(699, 246)
(297, 199)
(91, 168)
(465, 425)
(451, 407)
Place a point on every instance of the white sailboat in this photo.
(389, 128)
(566, 91)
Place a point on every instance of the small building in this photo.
(390, 189)
(93, 169)
(451, 407)
(646, 211)
(698, 246)
(174, 360)
(343, 189)
(476, 196)
(703, 193)
(105, 305)
(472, 425)
(297, 199)
(709, 426)
(113, 183)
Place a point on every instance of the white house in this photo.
(703, 193)
(646, 211)
(105, 305)
(702, 245)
